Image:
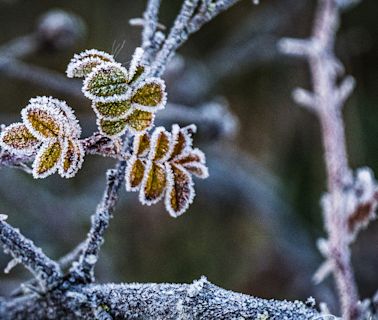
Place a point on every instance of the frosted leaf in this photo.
(83, 63)
(150, 95)
(72, 159)
(197, 169)
(66, 114)
(134, 173)
(107, 82)
(47, 159)
(136, 68)
(171, 161)
(17, 139)
(42, 121)
(140, 121)
(153, 184)
(180, 191)
(141, 144)
(182, 139)
(112, 128)
(112, 110)
(190, 156)
(161, 145)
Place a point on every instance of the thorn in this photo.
(304, 98)
(295, 47)
(345, 89)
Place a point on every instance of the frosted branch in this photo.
(84, 269)
(150, 25)
(199, 300)
(351, 201)
(188, 21)
(24, 251)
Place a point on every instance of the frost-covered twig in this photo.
(84, 269)
(24, 251)
(150, 42)
(188, 21)
(351, 199)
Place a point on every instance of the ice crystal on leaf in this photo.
(122, 99)
(49, 130)
(162, 165)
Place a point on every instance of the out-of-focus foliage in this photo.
(240, 225)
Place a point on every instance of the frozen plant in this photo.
(161, 164)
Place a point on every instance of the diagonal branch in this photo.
(23, 250)
(84, 268)
(188, 21)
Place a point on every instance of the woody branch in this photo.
(351, 199)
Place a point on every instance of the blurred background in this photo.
(254, 222)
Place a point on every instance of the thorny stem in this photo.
(338, 172)
(327, 103)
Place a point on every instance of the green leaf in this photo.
(82, 64)
(106, 81)
(112, 110)
(138, 72)
(112, 128)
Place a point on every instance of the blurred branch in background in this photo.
(352, 197)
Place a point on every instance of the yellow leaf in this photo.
(180, 192)
(134, 174)
(47, 160)
(154, 184)
(44, 123)
(160, 144)
(150, 96)
(112, 110)
(139, 121)
(17, 138)
(141, 144)
(72, 158)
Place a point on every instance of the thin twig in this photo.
(46, 271)
(150, 25)
(84, 269)
(345, 210)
